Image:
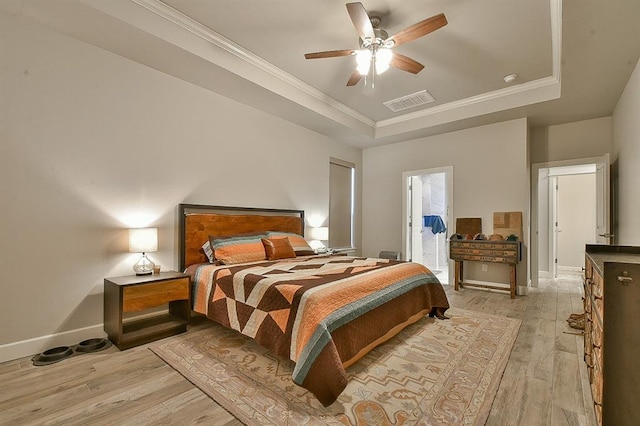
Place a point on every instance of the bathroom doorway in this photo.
(428, 209)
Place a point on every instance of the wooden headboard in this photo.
(197, 222)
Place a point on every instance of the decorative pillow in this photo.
(278, 248)
(238, 249)
(299, 244)
(212, 238)
(208, 251)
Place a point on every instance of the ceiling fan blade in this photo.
(328, 54)
(361, 21)
(405, 64)
(355, 78)
(420, 29)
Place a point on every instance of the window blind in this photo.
(341, 199)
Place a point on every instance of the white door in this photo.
(603, 206)
(416, 219)
(576, 219)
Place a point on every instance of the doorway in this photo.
(570, 209)
(427, 211)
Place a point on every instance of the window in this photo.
(341, 203)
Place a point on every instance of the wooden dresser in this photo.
(612, 332)
(508, 252)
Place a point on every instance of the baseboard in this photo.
(544, 274)
(15, 350)
(569, 270)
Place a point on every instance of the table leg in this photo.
(458, 274)
(512, 280)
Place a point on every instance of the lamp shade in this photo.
(320, 233)
(143, 240)
(383, 59)
(363, 61)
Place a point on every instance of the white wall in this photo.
(91, 144)
(580, 139)
(490, 174)
(626, 151)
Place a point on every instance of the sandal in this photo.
(578, 324)
(575, 317)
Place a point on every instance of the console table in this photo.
(508, 252)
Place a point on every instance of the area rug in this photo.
(435, 372)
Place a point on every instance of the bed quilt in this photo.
(293, 307)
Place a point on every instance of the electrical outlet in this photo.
(485, 267)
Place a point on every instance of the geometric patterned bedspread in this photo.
(302, 308)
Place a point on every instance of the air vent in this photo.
(410, 101)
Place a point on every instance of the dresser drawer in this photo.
(597, 286)
(588, 269)
(145, 296)
(596, 336)
(485, 251)
(596, 385)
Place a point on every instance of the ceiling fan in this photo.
(376, 45)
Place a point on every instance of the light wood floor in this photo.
(544, 382)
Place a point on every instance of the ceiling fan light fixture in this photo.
(375, 44)
(383, 59)
(363, 61)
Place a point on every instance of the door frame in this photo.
(535, 171)
(406, 207)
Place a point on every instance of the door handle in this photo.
(607, 235)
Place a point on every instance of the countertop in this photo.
(600, 253)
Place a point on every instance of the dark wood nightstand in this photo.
(133, 293)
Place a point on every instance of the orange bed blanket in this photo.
(322, 312)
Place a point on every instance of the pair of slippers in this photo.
(60, 353)
(576, 321)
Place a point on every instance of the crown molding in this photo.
(262, 73)
(163, 10)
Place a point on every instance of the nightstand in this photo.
(135, 294)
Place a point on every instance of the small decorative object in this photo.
(479, 236)
(156, 269)
(512, 237)
(143, 240)
(457, 237)
(496, 237)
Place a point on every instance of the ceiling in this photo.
(572, 57)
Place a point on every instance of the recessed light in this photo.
(510, 78)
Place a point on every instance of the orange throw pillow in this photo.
(278, 248)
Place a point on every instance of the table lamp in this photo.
(318, 235)
(143, 240)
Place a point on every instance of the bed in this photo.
(324, 312)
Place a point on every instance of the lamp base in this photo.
(144, 266)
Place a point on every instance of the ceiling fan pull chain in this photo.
(373, 74)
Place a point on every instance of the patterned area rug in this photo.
(434, 372)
